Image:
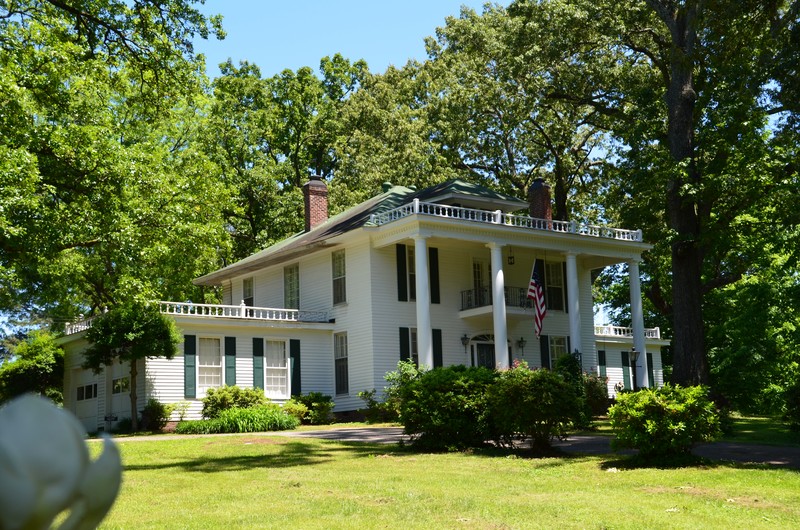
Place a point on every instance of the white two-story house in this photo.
(438, 275)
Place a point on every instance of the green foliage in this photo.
(260, 418)
(377, 411)
(224, 398)
(130, 332)
(37, 366)
(792, 400)
(296, 409)
(533, 404)
(596, 392)
(155, 415)
(665, 421)
(444, 408)
(320, 408)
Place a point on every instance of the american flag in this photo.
(536, 293)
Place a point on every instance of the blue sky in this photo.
(276, 35)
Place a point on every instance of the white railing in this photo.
(220, 311)
(620, 331)
(499, 218)
(241, 311)
(77, 327)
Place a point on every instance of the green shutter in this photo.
(650, 372)
(437, 348)
(433, 269)
(405, 344)
(402, 274)
(566, 296)
(189, 366)
(294, 355)
(544, 346)
(626, 371)
(601, 362)
(230, 361)
(258, 362)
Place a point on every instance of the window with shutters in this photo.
(339, 274)
(209, 365)
(554, 285)
(248, 292)
(558, 348)
(291, 287)
(340, 363)
(276, 371)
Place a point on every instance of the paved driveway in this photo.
(788, 457)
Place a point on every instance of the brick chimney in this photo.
(539, 204)
(315, 195)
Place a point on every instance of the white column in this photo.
(637, 321)
(499, 307)
(573, 304)
(424, 333)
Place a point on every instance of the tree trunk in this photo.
(690, 365)
(134, 397)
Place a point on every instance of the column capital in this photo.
(494, 245)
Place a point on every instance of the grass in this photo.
(263, 481)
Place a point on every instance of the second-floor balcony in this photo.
(482, 297)
(220, 311)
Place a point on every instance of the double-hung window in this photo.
(209, 365)
(558, 348)
(554, 285)
(339, 273)
(120, 385)
(276, 373)
(248, 292)
(291, 287)
(342, 377)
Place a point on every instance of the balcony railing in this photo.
(620, 331)
(221, 311)
(499, 218)
(515, 297)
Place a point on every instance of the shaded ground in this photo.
(788, 457)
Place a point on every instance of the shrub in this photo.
(534, 404)
(377, 411)
(665, 421)
(596, 391)
(320, 408)
(262, 418)
(296, 409)
(569, 368)
(444, 408)
(227, 397)
(123, 426)
(155, 415)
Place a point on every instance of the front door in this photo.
(485, 355)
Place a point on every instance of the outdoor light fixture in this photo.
(634, 358)
(521, 343)
(464, 341)
(510, 258)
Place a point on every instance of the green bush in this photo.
(296, 409)
(664, 422)
(534, 404)
(596, 392)
(320, 408)
(155, 415)
(228, 397)
(444, 408)
(262, 418)
(377, 411)
(570, 370)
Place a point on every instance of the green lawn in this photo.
(261, 481)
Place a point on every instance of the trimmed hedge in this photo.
(269, 417)
(223, 398)
(664, 422)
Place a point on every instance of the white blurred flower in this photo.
(45, 468)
